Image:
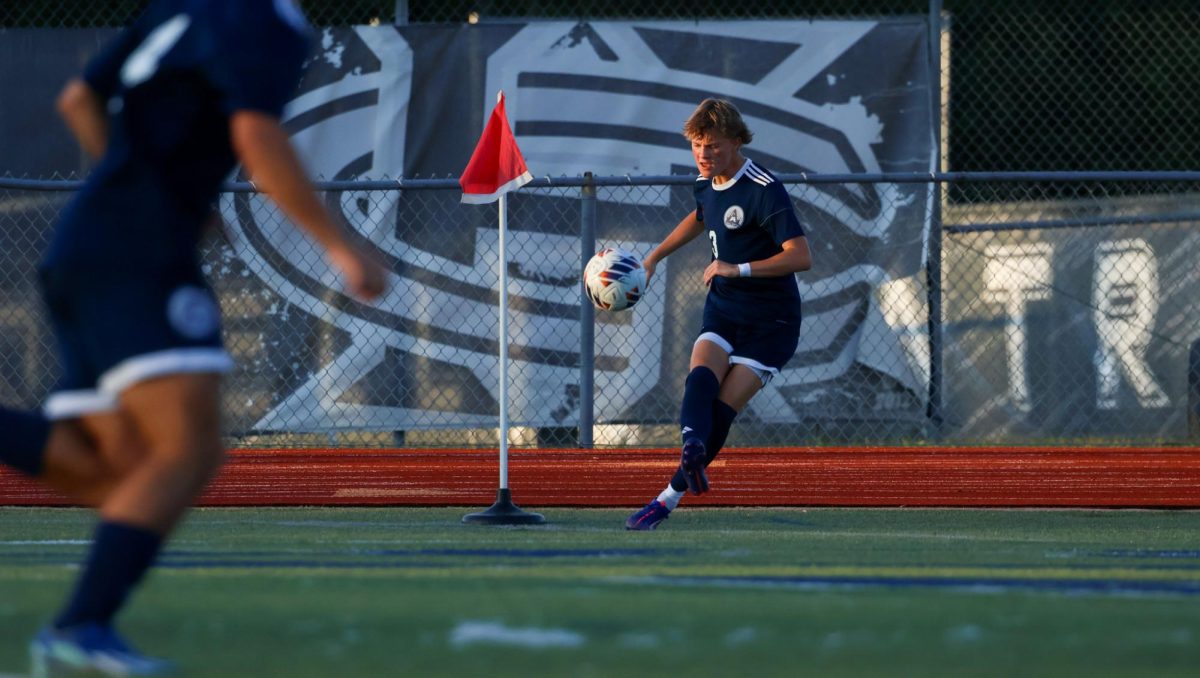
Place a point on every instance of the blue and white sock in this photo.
(670, 497)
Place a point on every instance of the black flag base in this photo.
(504, 512)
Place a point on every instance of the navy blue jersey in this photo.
(171, 82)
(748, 219)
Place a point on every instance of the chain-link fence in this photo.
(1062, 306)
(1061, 318)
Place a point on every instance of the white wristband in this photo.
(743, 270)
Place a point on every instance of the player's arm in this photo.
(266, 152)
(684, 232)
(792, 258)
(83, 110)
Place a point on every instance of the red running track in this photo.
(894, 476)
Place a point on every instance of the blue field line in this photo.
(1145, 560)
(530, 553)
(1151, 553)
(971, 584)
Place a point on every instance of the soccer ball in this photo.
(614, 279)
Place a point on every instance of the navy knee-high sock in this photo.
(120, 555)
(722, 419)
(699, 392)
(23, 438)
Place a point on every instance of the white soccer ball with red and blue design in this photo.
(614, 279)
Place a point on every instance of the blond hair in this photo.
(720, 116)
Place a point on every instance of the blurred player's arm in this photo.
(82, 108)
(684, 232)
(265, 150)
(793, 258)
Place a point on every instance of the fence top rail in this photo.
(402, 183)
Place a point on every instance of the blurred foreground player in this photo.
(751, 324)
(169, 108)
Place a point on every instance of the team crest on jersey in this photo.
(193, 312)
(734, 218)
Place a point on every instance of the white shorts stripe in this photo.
(764, 373)
(716, 339)
(172, 361)
(74, 404)
(77, 403)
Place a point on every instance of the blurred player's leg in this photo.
(67, 455)
(178, 419)
(24, 436)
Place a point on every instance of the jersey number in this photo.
(712, 237)
(143, 61)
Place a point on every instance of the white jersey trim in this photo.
(732, 180)
(757, 174)
(748, 169)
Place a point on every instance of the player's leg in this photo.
(66, 454)
(739, 386)
(23, 439)
(178, 418)
(86, 457)
(709, 364)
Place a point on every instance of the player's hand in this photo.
(365, 277)
(649, 265)
(719, 268)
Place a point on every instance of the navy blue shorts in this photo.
(765, 346)
(118, 327)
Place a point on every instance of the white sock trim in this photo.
(670, 498)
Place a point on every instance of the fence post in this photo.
(1193, 399)
(587, 315)
(933, 265)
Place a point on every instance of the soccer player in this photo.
(168, 109)
(751, 322)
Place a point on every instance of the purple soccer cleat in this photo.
(649, 517)
(692, 464)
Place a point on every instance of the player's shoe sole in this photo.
(692, 464)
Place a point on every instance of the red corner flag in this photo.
(496, 167)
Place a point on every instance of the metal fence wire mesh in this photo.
(1062, 318)
(1015, 309)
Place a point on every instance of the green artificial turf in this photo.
(716, 592)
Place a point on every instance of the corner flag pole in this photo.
(503, 258)
(497, 167)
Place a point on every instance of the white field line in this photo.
(495, 633)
